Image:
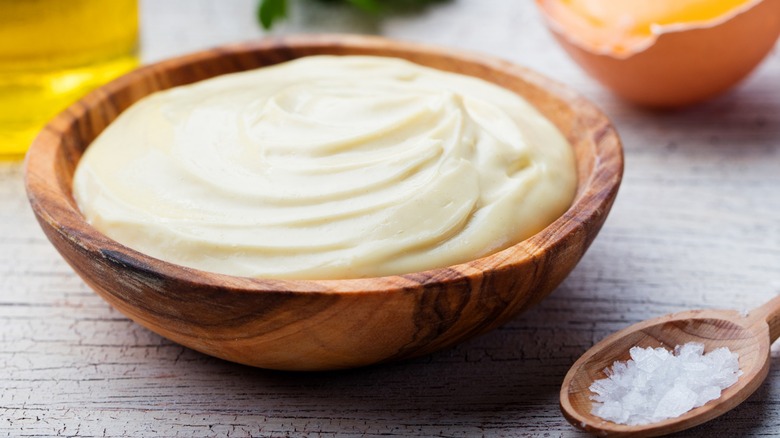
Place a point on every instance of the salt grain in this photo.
(657, 384)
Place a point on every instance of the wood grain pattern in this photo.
(749, 335)
(694, 226)
(314, 325)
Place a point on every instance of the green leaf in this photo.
(371, 6)
(271, 10)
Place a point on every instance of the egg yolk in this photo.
(624, 26)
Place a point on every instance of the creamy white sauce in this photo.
(326, 167)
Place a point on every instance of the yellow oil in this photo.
(54, 51)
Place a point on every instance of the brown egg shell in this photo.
(685, 66)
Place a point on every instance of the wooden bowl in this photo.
(331, 324)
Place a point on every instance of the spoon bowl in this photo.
(749, 335)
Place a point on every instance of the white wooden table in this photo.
(696, 224)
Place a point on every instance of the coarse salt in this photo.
(657, 384)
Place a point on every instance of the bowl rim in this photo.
(51, 205)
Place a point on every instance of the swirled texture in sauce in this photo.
(326, 167)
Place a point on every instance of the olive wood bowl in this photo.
(321, 324)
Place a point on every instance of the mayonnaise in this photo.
(326, 167)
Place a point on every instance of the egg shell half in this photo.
(684, 65)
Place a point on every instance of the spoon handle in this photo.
(769, 312)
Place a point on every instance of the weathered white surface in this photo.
(697, 224)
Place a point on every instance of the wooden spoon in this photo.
(749, 335)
